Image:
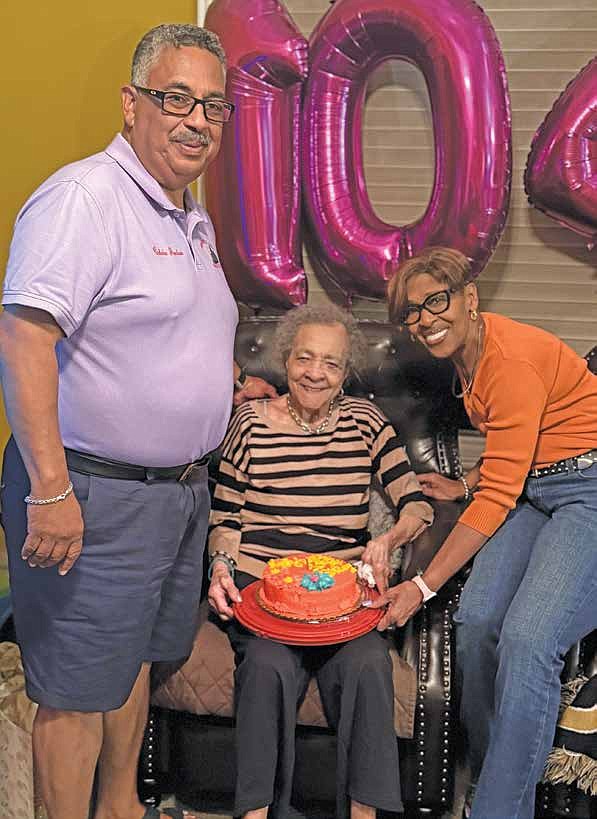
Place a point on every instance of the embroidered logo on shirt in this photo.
(167, 251)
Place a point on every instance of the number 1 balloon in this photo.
(253, 187)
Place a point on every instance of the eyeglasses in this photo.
(181, 105)
(435, 303)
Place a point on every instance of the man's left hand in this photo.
(254, 387)
(402, 601)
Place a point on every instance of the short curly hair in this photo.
(298, 317)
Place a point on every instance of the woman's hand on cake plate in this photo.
(402, 601)
(222, 591)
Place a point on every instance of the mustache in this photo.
(195, 138)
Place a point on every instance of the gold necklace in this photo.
(303, 424)
(468, 384)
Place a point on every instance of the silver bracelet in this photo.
(467, 489)
(29, 499)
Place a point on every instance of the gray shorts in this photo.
(131, 597)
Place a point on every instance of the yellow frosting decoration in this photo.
(322, 563)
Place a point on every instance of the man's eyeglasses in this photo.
(435, 303)
(181, 105)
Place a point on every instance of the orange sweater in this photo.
(535, 400)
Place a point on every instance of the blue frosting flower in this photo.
(317, 581)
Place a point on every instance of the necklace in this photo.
(468, 384)
(303, 424)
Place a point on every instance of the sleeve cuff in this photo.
(484, 516)
(62, 318)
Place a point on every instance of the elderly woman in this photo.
(295, 475)
(533, 514)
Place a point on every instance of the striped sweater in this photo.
(281, 491)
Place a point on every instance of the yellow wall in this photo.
(62, 65)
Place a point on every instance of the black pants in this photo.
(356, 687)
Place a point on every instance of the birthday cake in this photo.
(309, 587)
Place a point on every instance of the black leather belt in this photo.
(566, 465)
(105, 468)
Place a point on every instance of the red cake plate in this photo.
(294, 633)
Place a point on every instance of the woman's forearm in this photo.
(457, 549)
(473, 476)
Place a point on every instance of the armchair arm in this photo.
(427, 643)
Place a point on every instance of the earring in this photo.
(474, 315)
(413, 339)
(341, 393)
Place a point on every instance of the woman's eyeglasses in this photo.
(435, 303)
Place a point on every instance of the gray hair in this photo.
(176, 35)
(294, 319)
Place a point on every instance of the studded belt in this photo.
(566, 465)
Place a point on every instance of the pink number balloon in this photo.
(253, 187)
(454, 45)
(561, 172)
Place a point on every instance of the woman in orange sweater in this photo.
(532, 522)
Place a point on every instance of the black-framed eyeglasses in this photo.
(181, 105)
(435, 303)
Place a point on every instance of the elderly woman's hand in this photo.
(378, 554)
(222, 591)
(402, 601)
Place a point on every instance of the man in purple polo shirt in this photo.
(117, 369)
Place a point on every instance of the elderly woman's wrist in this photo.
(409, 527)
(221, 558)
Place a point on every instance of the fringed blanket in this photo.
(573, 758)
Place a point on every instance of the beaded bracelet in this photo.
(221, 557)
(467, 489)
(32, 501)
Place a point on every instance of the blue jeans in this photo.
(531, 595)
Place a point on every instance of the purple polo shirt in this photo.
(149, 321)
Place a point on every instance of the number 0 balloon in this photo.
(455, 47)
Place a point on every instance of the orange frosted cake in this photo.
(309, 587)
